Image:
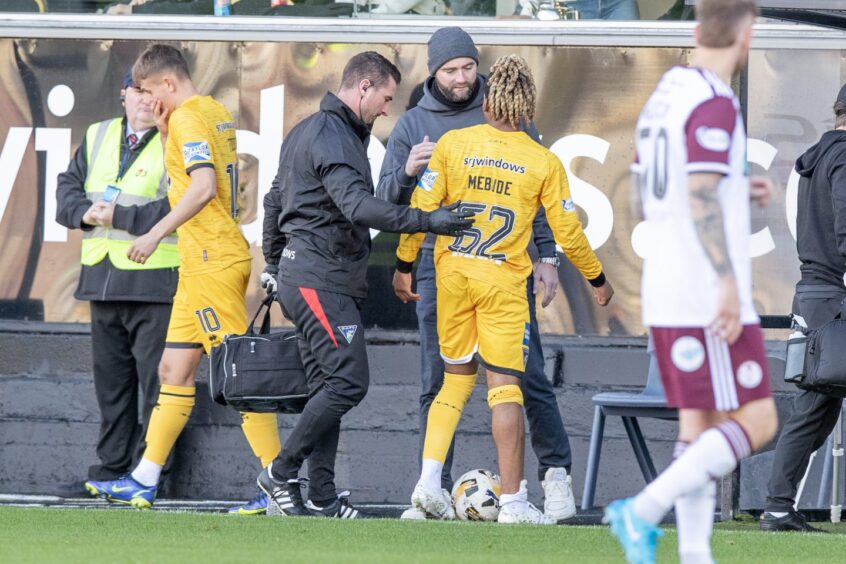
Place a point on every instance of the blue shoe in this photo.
(639, 538)
(256, 506)
(123, 490)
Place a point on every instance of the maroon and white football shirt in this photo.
(691, 123)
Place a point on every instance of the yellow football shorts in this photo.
(476, 318)
(206, 307)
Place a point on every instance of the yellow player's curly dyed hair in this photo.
(510, 91)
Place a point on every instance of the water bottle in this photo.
(794, 369)
(222, 7)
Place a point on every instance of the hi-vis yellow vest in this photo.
(143, 182)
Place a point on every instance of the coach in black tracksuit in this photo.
(820, 297)
(323, 199)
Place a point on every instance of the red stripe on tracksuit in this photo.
(310, 296)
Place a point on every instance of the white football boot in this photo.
(516, 509)
(558, 500)
(435, 504)
(531, 515)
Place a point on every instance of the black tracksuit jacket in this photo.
(320, 207)
(821, 214)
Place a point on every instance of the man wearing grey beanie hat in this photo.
(452, 99)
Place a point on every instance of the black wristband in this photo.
(404, 267)
(423, 218)
(598, 281)
(118, 217)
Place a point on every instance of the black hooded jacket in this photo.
(821, 214)
(320, 207)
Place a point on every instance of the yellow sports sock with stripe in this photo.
(263, 435)
(445, 413)
(168, 419)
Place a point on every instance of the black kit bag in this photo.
(259, 372)
(823, 364)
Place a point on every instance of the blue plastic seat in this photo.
(649, 402)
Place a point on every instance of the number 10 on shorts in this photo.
(208, 320)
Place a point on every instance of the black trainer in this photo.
(793, 521)
(285, 497)
(341, 508)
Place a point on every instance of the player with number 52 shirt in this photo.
(497, 172)
(503, 177)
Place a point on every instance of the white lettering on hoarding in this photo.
(56, 143)
(376, 153)
(761, 153)
(591, 199)
(11, 158)
(264, 145)
(791, 201)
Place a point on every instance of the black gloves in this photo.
(446, 221)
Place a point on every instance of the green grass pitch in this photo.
(95, 535)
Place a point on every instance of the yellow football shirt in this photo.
(503, 177)
(201, 133)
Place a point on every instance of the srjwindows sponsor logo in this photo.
(225, 126)
(501, 164)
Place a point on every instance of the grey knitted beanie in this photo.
(450, 43)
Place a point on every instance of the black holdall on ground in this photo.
(816, 359)
(259, 372)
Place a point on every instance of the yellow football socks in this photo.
(262, 434)
(167, 420)
(445, 414)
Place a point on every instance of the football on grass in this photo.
(476, 496)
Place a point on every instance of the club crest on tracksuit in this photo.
(348, 331)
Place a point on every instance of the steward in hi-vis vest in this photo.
(115, 190)
(140, 177)
(105, 163)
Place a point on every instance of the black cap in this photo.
(127, 81)
(841, 96)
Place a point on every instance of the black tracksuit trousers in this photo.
(127, 339)
(814, 415)
(331, 341)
